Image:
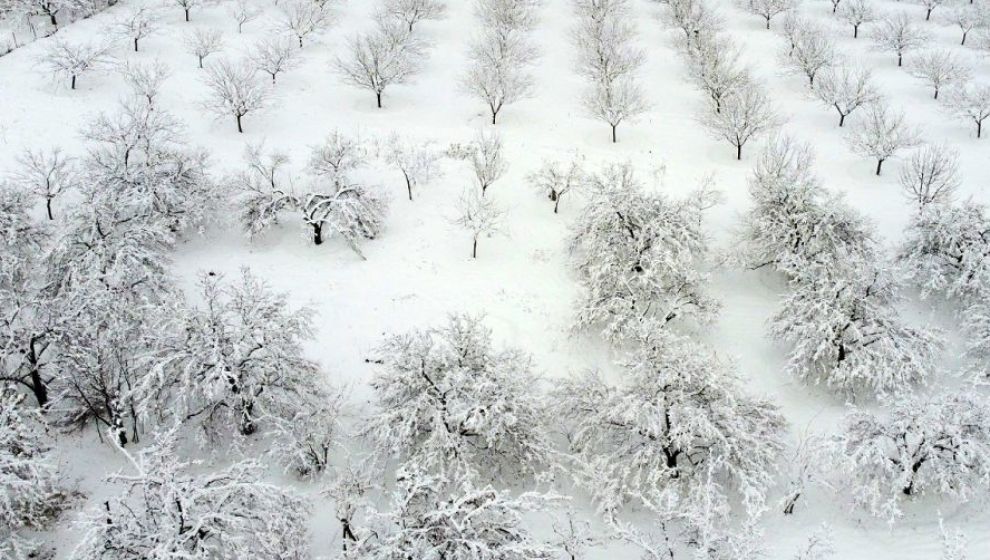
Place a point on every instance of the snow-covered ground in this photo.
(420, 269)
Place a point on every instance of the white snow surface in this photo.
(420, 269)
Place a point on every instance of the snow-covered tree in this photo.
(451, 403)
(479, 215)
(416, 159)
(946, 250)
(412, 12)
(695, 18)
(234, 90)
(351, 488)
(169, 508)
(639, 255)
(842, 322)
(137, 24)
(743, 115)
(966, 17)
(499, 72)
(970, 103)
(716, 69)
(954, 542)
(188, 6)
(28, 479)
(882, 134)
(931, 174)
(46, 174)
(390, 54)
(233, 361)
(898, 35)
(274, 56)
(145, 78)
(261, 191)
(811, 52)
(303, 18)
(819, 546)
(976, 325)
(555, 179)
(794, 221)
(487, 161)
(769, 9)
(856, 13)
(433, 516)
(201, 42)
(243, 12)
(574, 536)
(939, 68)
(925, 445)
(846, 89)
(507, 14)
(302, 441)
(930, 6)
(609, 60)
(803, 467)
(677, 417)
(69, 61)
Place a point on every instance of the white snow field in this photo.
(419, 269)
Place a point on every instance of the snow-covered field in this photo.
(419, 269)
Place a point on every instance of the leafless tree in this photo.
(412, 12)
(971, 102)
(883, 134)
(856, 13)
(389, 54)
(811, 52)
(966, 17)
(939, 68)
(898, 35)
(138, 24)
(243, 11)
(45, 173)
(274, 56)
(190, 5)
(204, 41)
(499, 73)
(145, 78)
(303, 18)
(769, 9)
(486, 159)
(746, 113)
(70, 60)
(931, 174)
(479, 215)
(847, 89)
(930, 6)
(716, 68)
(234, 90)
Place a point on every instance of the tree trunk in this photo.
(556, 205)
(348, 533)
(73, 86)
(900, 60)
(408, 185)
(239, 127)
(318, 233)
(739, 152)
(474, 249)
(842, 120)
(378, 97)
(768, 23)
(48, 206)
(789, 508)
(494, 115)
(855, 32)
(936, 93)
(963, 42)
(135, 44)
(614, 138)
(928, 16)
(201, 63)
(979, 129)
(38, 387)
(54, 21)
(187, 13)
(879, 165)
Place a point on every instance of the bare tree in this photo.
(608, 59)
(846, 89)
(412, 12)
(555, 179)
(746, 113)
(930, 6)
(45, 173)
(303, 18)
(137, 25)
(499, 71)
(204, 41)
(479, 215)
(883, 134)
(967, 18)
(931, 174)
(811, 52)
(274, 56)
(234, 90)
(390, 54)
(486, 159)
(243, 11)
(716, 69)
(898, 35)
(190, 5)
(971, 102)
(856, 13)
(769, 9)
(939, 68)
(415, 159)
(145, 79)
(70, 60)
